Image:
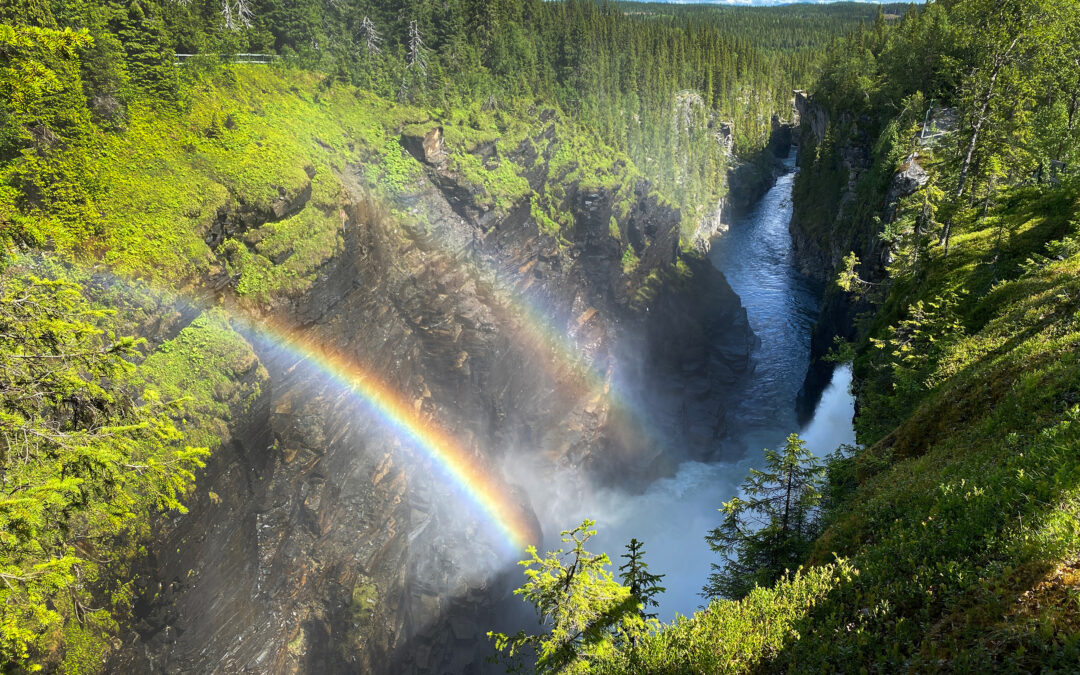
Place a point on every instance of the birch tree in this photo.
(1001, 40)
(1000, 37)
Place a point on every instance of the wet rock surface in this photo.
(320, 542)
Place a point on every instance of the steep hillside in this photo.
(451, 212)
(410, 243)
(431, 226)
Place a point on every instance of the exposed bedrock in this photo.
(821, 236)
(332, 545)
(840, 176)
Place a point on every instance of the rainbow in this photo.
(569, 365)
(487, 491)
(479, 485)
(484, 488)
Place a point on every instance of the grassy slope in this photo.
(963, 524)
(247, 134)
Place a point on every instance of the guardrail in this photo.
(232, 58)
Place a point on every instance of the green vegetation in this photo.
(189, 175)
(211, 372)
(98, 122)
(948, 540)
(734, 636)
(769, 533)
(86, 454)
(630, 260)
(580, 605)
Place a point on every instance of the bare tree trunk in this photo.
(787, 501)
(999, 62)
(980, 118)
(990, 185)
(1074, 107)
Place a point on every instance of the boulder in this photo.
(908, 180)
(426, 146)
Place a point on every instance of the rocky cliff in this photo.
(834, 164)
(841, 198)
(319, 541)
(747, 180)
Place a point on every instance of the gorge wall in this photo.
(318, 541)
(747, 179)
(844, 195)
(833, 206)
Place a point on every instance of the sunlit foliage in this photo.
(85, 455)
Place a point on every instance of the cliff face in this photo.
(331, 546)
(838, 195)
(835, 162)
(822, 233)
(747, 181)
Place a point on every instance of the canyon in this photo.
(319, 541)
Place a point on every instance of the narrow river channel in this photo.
(673, 515)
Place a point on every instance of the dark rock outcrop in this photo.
(821, 238)
(426, 146)
(811, 116)
(236, 219)
(908, 180)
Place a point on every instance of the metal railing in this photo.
(232, 58)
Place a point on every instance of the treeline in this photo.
(975, 97)
(1010, 69)
(793, 27)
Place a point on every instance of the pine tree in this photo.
(769, 532)
(149, 55)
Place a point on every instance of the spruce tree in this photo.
(768, 532)
(86, 455)
(634, 574)
(578, 603)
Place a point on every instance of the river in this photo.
(673, 515)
